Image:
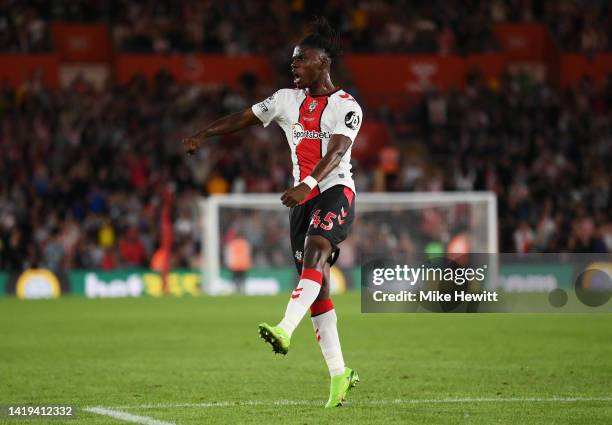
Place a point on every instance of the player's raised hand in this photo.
(295, 195)
(226, 125)
(191, 144)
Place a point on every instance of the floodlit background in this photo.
(510, 98)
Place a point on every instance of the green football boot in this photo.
(340, 386)
(276, 337)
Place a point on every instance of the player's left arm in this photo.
(337, 147)
(342, 137)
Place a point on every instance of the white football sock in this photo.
(301, 299)
(327, 335)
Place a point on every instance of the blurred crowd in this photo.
(581, 26)
(82, 171)
(546, 153)
(247, 26)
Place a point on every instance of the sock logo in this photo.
(318, 335)
(296, 293)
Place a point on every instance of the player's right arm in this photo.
(261, 113)
(225, 125)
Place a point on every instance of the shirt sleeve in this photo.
(348, 119)
(268, 110)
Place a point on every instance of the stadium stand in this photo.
(82, 168)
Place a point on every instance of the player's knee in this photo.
(316, 252)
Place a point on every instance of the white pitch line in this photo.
(238, 403)
(124, 416)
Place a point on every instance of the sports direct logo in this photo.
(298, 133)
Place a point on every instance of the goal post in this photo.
(390, 220)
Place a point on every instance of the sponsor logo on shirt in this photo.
(298, 133)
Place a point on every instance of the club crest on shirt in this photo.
(312, 106)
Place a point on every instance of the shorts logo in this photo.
(343, 215)
(298, 256)
(298, 133)
(352, 120)
(312, 106)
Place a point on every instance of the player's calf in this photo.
(316, 251)
(301, 299)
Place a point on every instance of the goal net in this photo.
(428, 222)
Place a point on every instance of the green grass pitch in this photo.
(200, 361)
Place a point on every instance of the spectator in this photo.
(97, 161)
(131, 249)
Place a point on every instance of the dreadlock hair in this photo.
(322, 37)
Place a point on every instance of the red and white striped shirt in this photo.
(309, 122)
